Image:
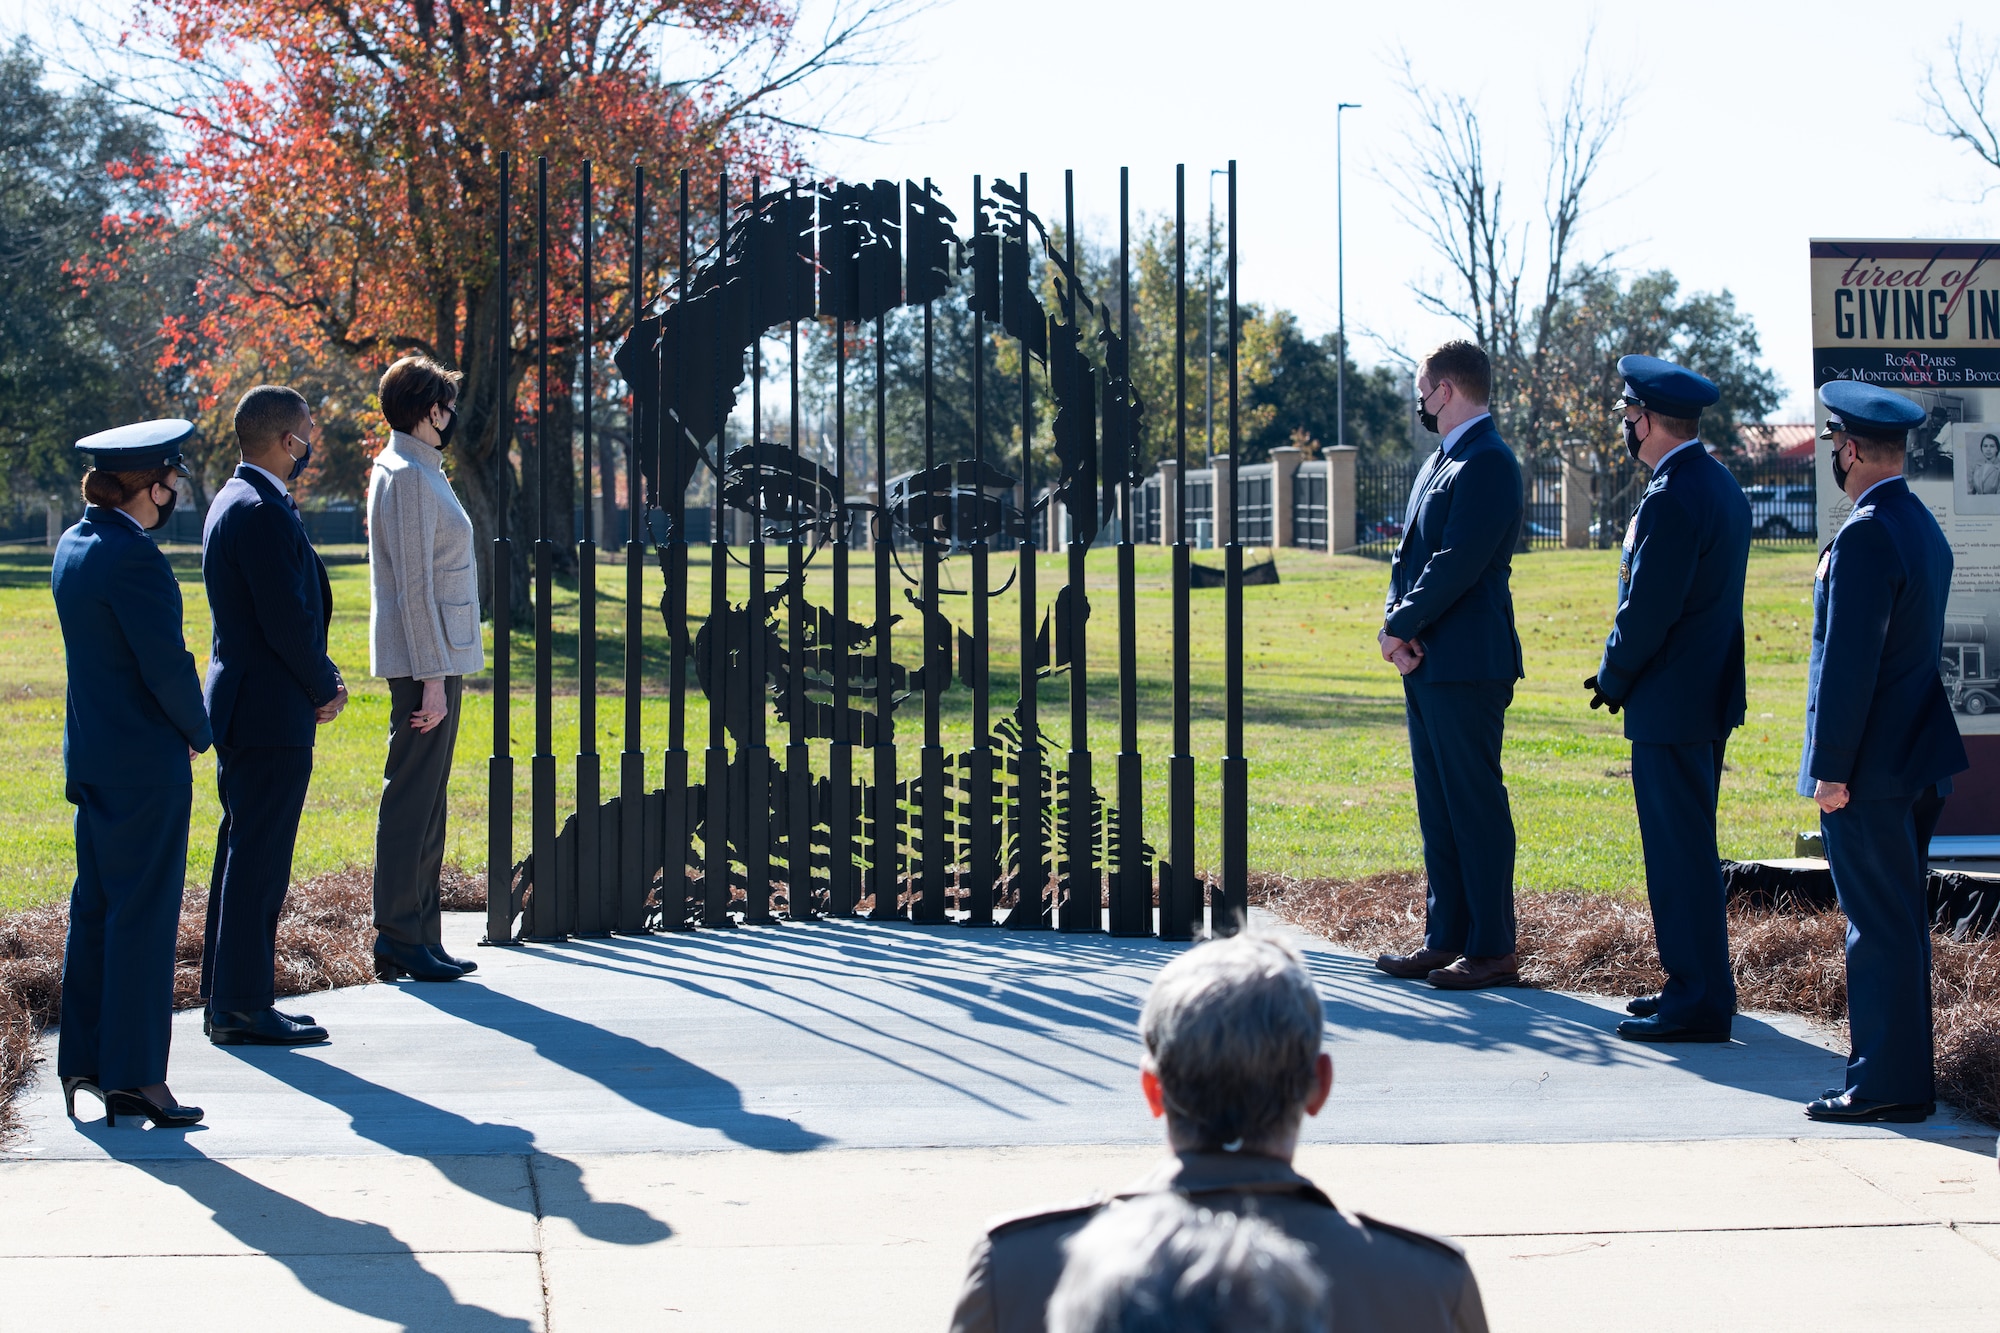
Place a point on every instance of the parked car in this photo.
(1781, 512)
(1387, 528)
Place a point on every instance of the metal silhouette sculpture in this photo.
(1013, 815)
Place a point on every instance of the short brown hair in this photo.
(1883, 448)
(1685, 427)
(266, 412)
(109, 490)
(1465, 364)
(412, 387)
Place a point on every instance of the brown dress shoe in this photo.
(1476, 973)
(1415, 966)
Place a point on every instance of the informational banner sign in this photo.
(1923, 318)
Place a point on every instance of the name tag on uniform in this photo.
(1631, 533)
(1825, 563)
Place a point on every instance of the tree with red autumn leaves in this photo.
(344, 157)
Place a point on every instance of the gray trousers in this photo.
(409, 829)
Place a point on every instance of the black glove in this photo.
(1599, 699)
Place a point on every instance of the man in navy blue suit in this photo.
(1674, 663)
(1448, 626)
(270, 687)
(1879, 739)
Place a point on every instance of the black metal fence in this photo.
(1784, 508)
(802, 803)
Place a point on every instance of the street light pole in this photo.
(1340, 268)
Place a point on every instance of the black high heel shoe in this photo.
(72, 1084)
(394, 960)
(132, 1102)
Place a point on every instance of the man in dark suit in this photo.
(270, 686)
(1448, 626)
(1674, 663)
(1879, 738)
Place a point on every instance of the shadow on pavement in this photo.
(361, 1266)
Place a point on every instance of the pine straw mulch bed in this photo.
(1786, 961)
(325, 939)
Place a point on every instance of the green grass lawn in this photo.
(1329, 767)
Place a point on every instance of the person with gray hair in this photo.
(1232, 1032)
(1161, 1265)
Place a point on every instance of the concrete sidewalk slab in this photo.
(1773, 1234)
(854, 1034)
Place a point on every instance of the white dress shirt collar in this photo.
(1458, 432)
(274, 478)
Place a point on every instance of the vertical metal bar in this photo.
(981, 872)
(885, 848)
(715, 818)
(1132, 899)
(1235, 767)
(1081, 910)
(674, 906)
(597, 901)
(753, 749)
(1179, 906)
(632, 760)
(550, 917)
(1031, 909)
(798, 759)
(929, 901)
(843, 812)
(500, 581)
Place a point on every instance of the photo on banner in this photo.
(1923, 318)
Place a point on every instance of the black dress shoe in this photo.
(1848, 1109)
(1654, 1029)
(1643, 1006)
(394, 960)
(132, 1102)
(265, 1027)
(306, 1019)
(462, 964)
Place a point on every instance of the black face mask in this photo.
(299, 463)
(1629, 428)
(1839, 472)
(444, 434)
(1425, 417)
(166, 510)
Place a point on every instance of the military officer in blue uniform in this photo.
(1674, 664)
(1880, 742)
(132, 722)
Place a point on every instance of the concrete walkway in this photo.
(808, 1125)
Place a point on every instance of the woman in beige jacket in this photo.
(423, 637)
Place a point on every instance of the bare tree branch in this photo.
(1956, 99)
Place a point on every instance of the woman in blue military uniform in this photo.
(1880, 748)
(133, 722)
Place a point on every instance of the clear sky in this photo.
(1753, 127)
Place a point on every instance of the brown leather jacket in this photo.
(1383, 1278)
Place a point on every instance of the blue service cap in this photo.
(141, 445)
(1851, 405)
(1663, 387)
